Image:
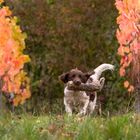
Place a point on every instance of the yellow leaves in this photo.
(12, 59)
(1, 1)
(24, 58)
(138, 5)
(22, 88)
(133, 4)
(126, 84)
(17, 100)
(123, 50)
(20, 98)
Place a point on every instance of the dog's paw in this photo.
(82, 113)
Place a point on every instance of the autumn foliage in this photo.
(13, 78)
(128, 35)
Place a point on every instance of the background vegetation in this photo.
(64, 35)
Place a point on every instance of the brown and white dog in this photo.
(86, 101)
(73, 98)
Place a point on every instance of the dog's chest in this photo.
(74, 94)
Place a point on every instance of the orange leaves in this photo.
(128, 35)
(124, 6)
(129, 87)
(1, 1)
(20, 98)
(126, 50)
(12, 59)
(126, 84)
(5, 11)
(127, 20)
(122, 71)
(123, 50)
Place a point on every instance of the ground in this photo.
(57, 127)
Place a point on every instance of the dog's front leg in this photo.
(68, 106)
(83, 109)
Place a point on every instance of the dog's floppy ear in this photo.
(64, 77)
(86, 75)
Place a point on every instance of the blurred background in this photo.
(64, 34)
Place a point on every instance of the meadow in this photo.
(57, 127)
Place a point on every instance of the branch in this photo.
(97, 82)
(84, 87)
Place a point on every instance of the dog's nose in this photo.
(77, 83)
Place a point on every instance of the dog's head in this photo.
(75, 75)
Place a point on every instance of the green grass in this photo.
(26, 127)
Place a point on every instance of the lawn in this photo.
(26, 127)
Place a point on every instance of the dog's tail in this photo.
(100, 69)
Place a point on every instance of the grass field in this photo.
(25, 127)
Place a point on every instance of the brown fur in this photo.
(75, 75)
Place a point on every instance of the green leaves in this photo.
(50, 1)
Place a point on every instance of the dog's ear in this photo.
(86, 77)
(64, 77)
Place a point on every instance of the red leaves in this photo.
(128, 34)
(12, 59)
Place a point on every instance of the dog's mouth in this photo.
(77, 83)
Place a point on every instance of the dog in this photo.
(74, 97)
(86, 100)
